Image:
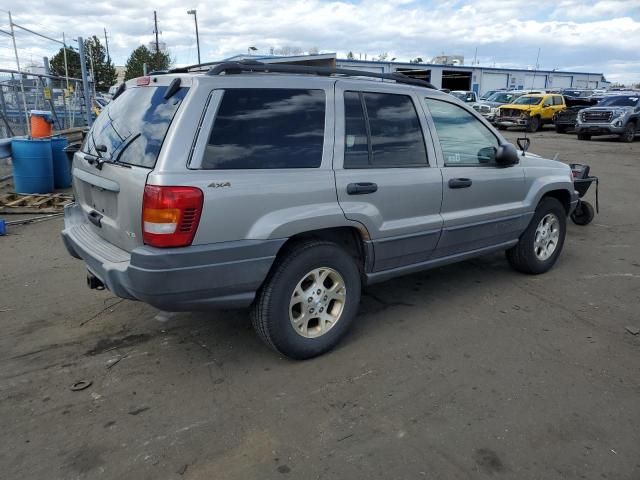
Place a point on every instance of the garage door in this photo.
(561, 81)
(493, 81)
(585, 84)
(534, 81)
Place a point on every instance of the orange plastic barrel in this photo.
(41, 124)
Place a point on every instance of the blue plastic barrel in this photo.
(32, 165)
(61, 166)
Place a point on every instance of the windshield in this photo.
(619, 101)
(132, 127)
(528, 100)
(501, 97)
(464, 96)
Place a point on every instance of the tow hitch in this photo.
(93, 282)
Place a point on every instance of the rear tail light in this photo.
(170, 215)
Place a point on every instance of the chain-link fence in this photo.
(62, 97)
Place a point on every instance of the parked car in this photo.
(565, 120)
(489, 108)
(465, 96)
(576, 92)
(488, 93)
(289, 192)
(613, 115)
(530, 111)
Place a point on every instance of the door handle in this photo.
(460, 183)
(362, 188)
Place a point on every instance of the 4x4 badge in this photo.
(219, 184)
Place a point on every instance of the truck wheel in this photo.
(561, 128)
(542, 241)
(533, 125)
(629, 133)
(584, 136)
(583, 214)
(501, 127)
(309, 300)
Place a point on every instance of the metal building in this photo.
(454, 77)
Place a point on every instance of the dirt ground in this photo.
(469, 371)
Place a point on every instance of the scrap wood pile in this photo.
(36, 203)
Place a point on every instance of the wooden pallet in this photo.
(18, 203)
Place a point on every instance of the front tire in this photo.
(542, 241)
(629, 133)
(533, 125)
(561, 128)
(308, 301)
(584, 136)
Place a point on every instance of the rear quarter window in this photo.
(267, 129)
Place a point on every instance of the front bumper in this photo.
(199, 277)
(512, 121)
(599, 129)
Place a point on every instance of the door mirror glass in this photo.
(507, 155)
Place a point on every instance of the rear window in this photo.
(267, 128)
(133, 126)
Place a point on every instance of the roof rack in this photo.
(254, 66)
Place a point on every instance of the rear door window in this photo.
(267, 128)
(133, 126)
(382, 131)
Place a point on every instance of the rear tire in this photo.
(583, 214)
(542, 241)
(299, 328)
(584, 136)
(629, 133)
(533, 125)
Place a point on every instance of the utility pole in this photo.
(24, 97)
(155, 30)
(106, 43)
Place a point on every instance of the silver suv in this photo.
(287, 189)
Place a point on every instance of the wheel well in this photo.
(350, 238)
(562, 196)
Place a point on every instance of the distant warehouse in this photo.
(454, 77)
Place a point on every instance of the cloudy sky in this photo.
(596, 36)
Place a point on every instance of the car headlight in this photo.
(619, 113)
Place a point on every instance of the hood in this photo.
(492, 104)
(524, 108)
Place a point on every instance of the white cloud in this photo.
(569, 32)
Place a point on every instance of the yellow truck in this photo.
(530, 111)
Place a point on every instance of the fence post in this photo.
(24, 97)
(85, 82)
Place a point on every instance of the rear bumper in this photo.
(200, 277)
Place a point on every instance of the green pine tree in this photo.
(103, 68)
(140, 56)
(73, 63)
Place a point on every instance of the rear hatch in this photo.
(110, 170)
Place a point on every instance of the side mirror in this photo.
(507, 155)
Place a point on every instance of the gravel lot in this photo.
(468, 371)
